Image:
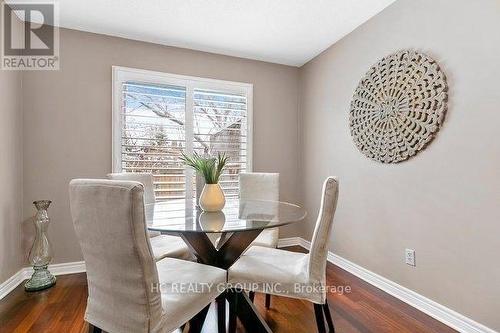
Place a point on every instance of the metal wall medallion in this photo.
(398, 106)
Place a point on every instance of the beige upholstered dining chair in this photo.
(299, 275)
(261, 186)
(128, 290)
(258, 186)
(163, 245)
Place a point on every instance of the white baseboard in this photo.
(445, 315)
(292, 241)
(25, 273)
(11, 283)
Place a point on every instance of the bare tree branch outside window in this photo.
(154, 134)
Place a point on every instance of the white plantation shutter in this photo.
(158, 116)
(153, 135)
(220, 125)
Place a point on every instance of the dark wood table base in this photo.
(226, 254)
(241, 306)
(223, 256)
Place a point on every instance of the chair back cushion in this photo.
(145, 178)
(260, 186)
(319, 251)
(108, 216)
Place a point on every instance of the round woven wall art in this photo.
(398, 106)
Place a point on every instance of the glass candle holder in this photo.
(40, 253)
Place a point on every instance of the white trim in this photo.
(11, 283)
(439, 312)
(189, 137)
(291, 241)
(116, 122)
(62, 269)
(249, 147)
(25, 273)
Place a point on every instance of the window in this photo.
(157, 116)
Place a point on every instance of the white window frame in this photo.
(124, 74)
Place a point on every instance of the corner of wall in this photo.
(11, 172)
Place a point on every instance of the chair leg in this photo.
(94, 329)
(251, 295)
(320, 321)
(328, 316)
(268, 301)
(196, 323)
(232, 313)
(221, 314)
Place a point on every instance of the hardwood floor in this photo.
(364, 309)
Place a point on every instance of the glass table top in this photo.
(183, 216)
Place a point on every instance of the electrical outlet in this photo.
(410, 257)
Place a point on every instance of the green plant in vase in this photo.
(212, 197)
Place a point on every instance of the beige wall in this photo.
(11, 172)
(67, 118)
(445, 202)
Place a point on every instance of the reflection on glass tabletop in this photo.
(183, 216)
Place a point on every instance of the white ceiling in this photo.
(288, 32)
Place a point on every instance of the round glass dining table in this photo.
(238, 224)
(182, 216)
